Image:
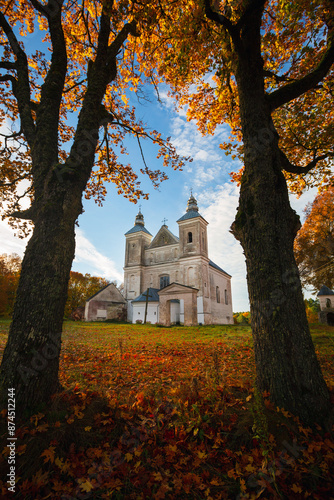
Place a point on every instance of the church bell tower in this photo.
(193, 231)
(136, 240)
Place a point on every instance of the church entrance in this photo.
(174, 311)
(330, 319)
(178, 302)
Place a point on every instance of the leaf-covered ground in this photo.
(163, 413)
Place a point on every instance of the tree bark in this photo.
(31, 357)
(266, 225)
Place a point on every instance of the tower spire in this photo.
(192, 203)
(139, 220)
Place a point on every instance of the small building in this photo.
(107, 303)
(326, 299)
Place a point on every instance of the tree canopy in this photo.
(26, 71)
(194, 49)
(80, 288)
(10, 266)
(314, 244)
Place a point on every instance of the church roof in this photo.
(152, 296)
(139, 225)
(212, 264)
(324, 290)
(164, 237)
(115, 294)
(137, 228)
(191, 211)
(190, 215)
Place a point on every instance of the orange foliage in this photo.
(81, 25)
(195, 56)
(167, 413)
(80, 288)
(314, 243)
(10, 266)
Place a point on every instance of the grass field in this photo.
(152, 412)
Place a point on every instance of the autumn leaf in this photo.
(296, 489)
(85, 485)
(49, 454)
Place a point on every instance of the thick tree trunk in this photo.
(31, 357)
(286, 363)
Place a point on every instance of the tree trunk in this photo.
(31, 357)
(265, 224)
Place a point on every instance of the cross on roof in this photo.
(164, 221)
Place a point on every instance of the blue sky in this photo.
(100, 235)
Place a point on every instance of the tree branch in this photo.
(39, 7)
(222, 20)
(252, 6)
(7, 65)
(296, 169)
(295, 89)
(8, 78)
(21, 85)
(277, 78)
(47, 115)
(113, 49)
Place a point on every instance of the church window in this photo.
(164, 281)
(328, 303)
(226, 298)
(190, 237)
(217, 294)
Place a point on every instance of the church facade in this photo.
(183, 285)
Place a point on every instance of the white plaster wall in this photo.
(139, 312)
(200, 310)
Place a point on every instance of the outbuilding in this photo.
(326, 299)
(107, 303)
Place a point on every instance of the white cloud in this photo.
(218, 206)
(9, 243)
(97, 263)
(300, 203)
(89, 258)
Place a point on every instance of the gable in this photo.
(164, 237)
(108, 293)
(177, 288)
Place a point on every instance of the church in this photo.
(170, 279)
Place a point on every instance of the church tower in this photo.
(136, 240)
(192, 231)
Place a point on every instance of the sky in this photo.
(100, 241)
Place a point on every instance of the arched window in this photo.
(328, 303)
(164, 281)
(226, 297)
(190, 237)
(217, 294)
